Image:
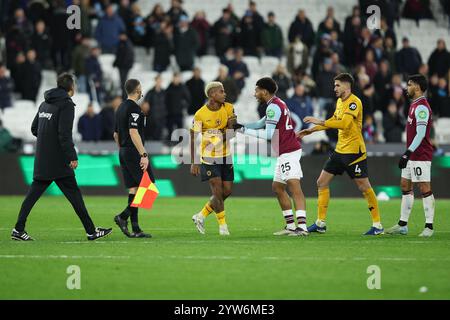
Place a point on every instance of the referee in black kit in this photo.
(129, 136)
(56, 158)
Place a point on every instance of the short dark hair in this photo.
(131, 85)
(65, 81)
(419, 79)
(268, 84)
(345, 77)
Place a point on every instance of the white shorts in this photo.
(288, 167)
(417, 171)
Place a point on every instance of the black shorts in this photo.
(213, 169)
(338, 163)
(131, 170)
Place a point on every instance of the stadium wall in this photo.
(100, 175)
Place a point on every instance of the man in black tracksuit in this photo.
(129, 136)
(56, 158)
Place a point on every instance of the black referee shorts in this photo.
(131, 170)
(355, 164)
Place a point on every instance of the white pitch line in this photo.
(13, 256)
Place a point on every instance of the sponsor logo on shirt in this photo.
(135, 116)
(352, 106)
(270, 114)
(422, 115)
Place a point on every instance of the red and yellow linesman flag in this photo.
(146, 193)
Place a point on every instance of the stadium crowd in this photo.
(35, 38)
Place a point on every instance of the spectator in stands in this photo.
(178, 100)
(442, 100)
(393, 126)
(124, 59)
(364, 44)
(79, 56)
(196, 87)
(94, 74)
(6, 89)
(62, 38)
(338, 67)
(325, 26)
(126, 14)
(32, 80)
(176, 11)
(390, 53)
(107, 116)
(322, 52)
(85, 20)
(423, 69)
(238, 68)
(408, 59)
(348, 25)
(300, 103)
(364, 90)
(417, 9)
(16, 42)
(351, 40)
(249, 37)
(272, 37)
(18, 72)
(154, 20)
(381, 82)
(164, 47)
(369, 130)
(439, 61)
(186, 44)
(432, 94)
(370, 65)
(109, 29)
(138, 30)
(41, 42)
(90, 125)
(224, 33)
(202, 27)
(325, 85)
(7, 142)
(283, 81)
(386, 31)
(302, 27)
(297, 56)
(378, 49)
(229, 84)
(257, 18)
(21, 22)
(156, 100)
(336, 45)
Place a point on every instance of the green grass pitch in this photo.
(179, 263)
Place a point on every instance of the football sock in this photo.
(129, 209)
(406, 207)
(206, 211)
(322, 203)
(428, 207)
(373, 207)
(301, 218)
(289, 218)
(221, 217)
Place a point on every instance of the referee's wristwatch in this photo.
(144, 155)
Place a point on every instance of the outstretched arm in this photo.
(260, 124)
(273, 114)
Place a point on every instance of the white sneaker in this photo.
(223, 230)
(199, 222)
(427, 232)
(299, 232)
(397, 229)
(285, 232)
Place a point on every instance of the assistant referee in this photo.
(56, 158)
(129, 136)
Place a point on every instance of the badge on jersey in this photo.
(352, 106)
(422, 115)
(135, 116)
(270, 114)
